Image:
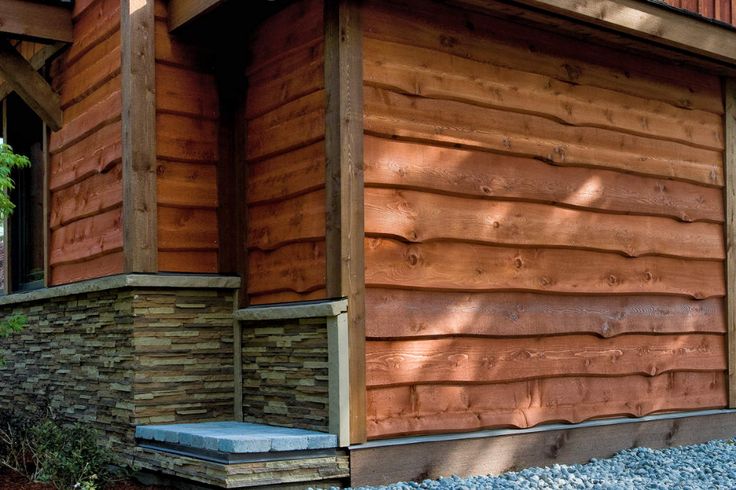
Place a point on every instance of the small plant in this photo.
(10, 326)
(70, 457)
(9, 160)
(17, 448)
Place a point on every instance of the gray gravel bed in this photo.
(702, 466)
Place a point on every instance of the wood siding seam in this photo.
(344, 188)
(139, 136)
(729, 89)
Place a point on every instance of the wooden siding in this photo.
(85, 178)
(544, 230)
(187, 149)
(285, 152)
(721, 10)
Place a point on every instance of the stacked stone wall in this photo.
(285, 373)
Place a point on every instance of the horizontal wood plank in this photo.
(392, 114)
(472, 267)
(390, 163)
(187, 229)
(94, 195)
(186, 138)
(100, 114)
(185, 91)
(201, 261)
(297, 267)
(433, 74)
(81, 240)
(188, 185)
(287, 175)
(421, 217)
(286, 297)
(481, 360)
(100, 266)
(276, 224)
(425, 409)
(404, 314)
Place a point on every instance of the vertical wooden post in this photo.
(46, 222)
(140, 241)
(729, 88)
(6, 223)
(344, 188)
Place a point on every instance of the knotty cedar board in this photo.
(519, 196)
(85, 174)
(285, 152)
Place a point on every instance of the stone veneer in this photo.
(285, 373)
(118, 352)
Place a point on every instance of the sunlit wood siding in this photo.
(85, 174)
(187, 112)
(285, 119)
(544, 227)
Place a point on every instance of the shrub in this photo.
(10, 326)
(17, 449)
(70, 457)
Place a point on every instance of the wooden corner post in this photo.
(344, 188)
(139, 136)
(729, 90)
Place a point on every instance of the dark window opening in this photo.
(24, 236)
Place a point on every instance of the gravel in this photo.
(703, 466)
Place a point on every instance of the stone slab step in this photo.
(236, 437)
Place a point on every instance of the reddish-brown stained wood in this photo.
(298, 76)
(104, 265)
(403, 313)
(275, 224)
(451, 122)
(502, 43)
(295, 26)
(297, 267)
(92, 98)
(97, 24)
(297, 123)
(93, 195)
(187, 184)
(187, 229)
(474, 173)
(90, 71)
(89, 237)
(287, 175)
(462, 266)
(474, 360)
(94, 154)
(187, 92)
(431, 408)
(432, 74)
(104, 112)
(421, 216)
(171, 50)
(204, 261)
(286, 297)
(184, 138)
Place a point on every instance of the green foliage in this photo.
(10, 326)
(70, 456)
(8, 161)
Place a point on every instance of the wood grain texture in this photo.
(103, 265)
(44, 22)
(188, 185)
(186, 91)
(422, 217)
(496, 41)
(436, 75)
(390, 263)
(185, 229)
(730, 232)
(399, 164)
(276, 224)
(393, 114)
(94, 195)
(473, 360)
(186, 139)
(430, 408)
(191, 261)
(287, 175)
(298, 267)
(287, 297)
(414, 314)
(139, 136)
(87, 238)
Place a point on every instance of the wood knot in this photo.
(413, 259)
(612, 280)
(518, 262)
(648, 276)
(573, 71)
(486, 190)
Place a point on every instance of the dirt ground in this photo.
(10, 480)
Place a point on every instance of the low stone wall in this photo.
(285, 373)
(116, 357)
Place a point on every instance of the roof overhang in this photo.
(38, 21)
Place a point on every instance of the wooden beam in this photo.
(37, 61)
(344, 188)
(729, 90)
(36, 20)
(30, 86)
(640, 19)
(140, 241)
(182, 12)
